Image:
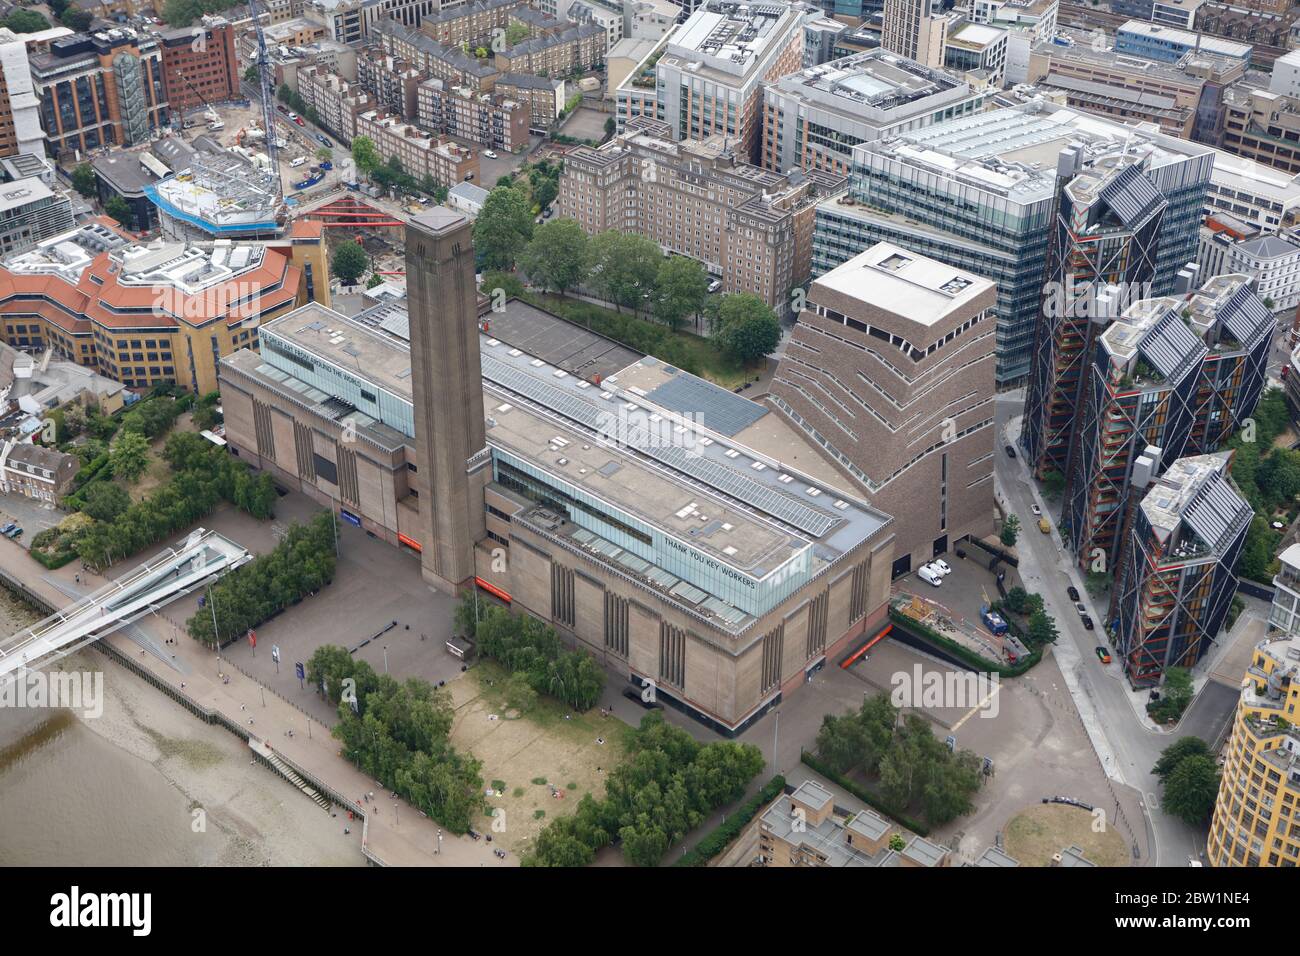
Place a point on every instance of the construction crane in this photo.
(209, 113)
(268, 97)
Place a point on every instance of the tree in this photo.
(78, 20)
(365, 155)
(623, 267)
(252, 75)
(117, 208)
(83, 179)
(556, 256)
(1017, 598)
(1096, 583)
(747, 328)
(1176, 753)
(682, 286)
(611, 127)
(325, 154)
(1191, 789)
(349, 262)
(129, 456)
(26, 21)
(1042, 628)
(105, 500)
(1010, 531)
(516, 33)
(519, 694)
(503, 228)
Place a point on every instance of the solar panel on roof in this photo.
(719, 410)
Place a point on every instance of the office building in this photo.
(1184, 99)
(1272, 263)
(103, 89)
(642, 511)
(708, 75)
(916, 29)
(1254, 193)
(977, 49)
(814, 118)
(20, 116)
(30, 213)
(749, 227)
(1176, 580)
(1175, 373)
(200, 65)
(1259, 787)
(163, 312)
(1263, 126)
(977, 192)
(1037, 17)
(1154, 42)
(891, 370)
(1101, 255)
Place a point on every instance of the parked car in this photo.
(929, 575)
(489, 154)
(1087, 623)
(298, 119)
(9, 526)
(324, 140)
(715, 285)
(1036, 511)
(940, 565)
(1073, 592)
(14, 533)
(1103, 655)
(1078, 606)
(1011, 452)
(1044, 526)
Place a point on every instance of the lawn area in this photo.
(531, 757)
(1047, 828)
(685, 349)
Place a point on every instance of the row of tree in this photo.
(908, 763)
(1268, 477)
(203, 475)
(399, 734)
(626, 269)
(669, 785)
(300, 564)
(1190, 776)
(530, 649)
(1040, 627)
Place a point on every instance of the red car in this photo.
(298, 120)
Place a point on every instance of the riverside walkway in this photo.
(392, 833)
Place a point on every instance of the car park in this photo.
(929, 576)
(1073, 592)
(1103, 655)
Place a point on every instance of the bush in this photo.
(398, 734)
(731, 826)
(301, 564)
(532, 651)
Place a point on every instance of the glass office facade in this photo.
(752, 594)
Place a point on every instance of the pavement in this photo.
(1125, 743)
(393, 832)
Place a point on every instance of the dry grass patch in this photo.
(1047, 828)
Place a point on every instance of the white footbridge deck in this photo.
(203, 556)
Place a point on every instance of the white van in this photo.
(300, 161)
(928, 575)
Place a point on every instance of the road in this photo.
(1127, 748)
